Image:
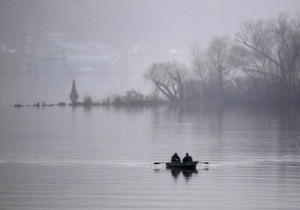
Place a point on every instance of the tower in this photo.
(74, 95)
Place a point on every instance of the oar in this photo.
(156, 163)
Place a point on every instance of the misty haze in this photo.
(96, 96)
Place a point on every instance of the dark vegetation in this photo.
(131, 98)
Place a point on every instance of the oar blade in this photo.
(204, 162)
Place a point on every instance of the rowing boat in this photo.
(182, 165)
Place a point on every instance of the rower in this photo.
(187, 158)
(175, 158)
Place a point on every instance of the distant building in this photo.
(77, 55)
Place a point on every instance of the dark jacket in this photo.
(175, 158)
(187, 158)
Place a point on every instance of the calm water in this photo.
(102, 158)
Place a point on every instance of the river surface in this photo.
(102, 158)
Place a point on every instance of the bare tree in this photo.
(168, 77)
(219, 61)
(197, 60)
(199, 69)
(272, 51)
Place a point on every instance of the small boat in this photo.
(182, 165)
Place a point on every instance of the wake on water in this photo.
(287, 160)
(257, 162)
(72, 162)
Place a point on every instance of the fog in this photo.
(147, 26)
(152, 25)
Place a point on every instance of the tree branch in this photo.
(260, 52)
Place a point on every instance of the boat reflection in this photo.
(176, 172)
(187, 173)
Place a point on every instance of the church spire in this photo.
(74, 95)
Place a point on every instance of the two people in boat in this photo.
(175, 158)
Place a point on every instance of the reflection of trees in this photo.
(288, 124)
(220, 117)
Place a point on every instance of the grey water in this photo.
(102, 158)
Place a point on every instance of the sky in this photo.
(150, 25)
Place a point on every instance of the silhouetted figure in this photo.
(175, 158)
(73, 95)
(187, 158)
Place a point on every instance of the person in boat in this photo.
(187, 158)
(175, 158)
